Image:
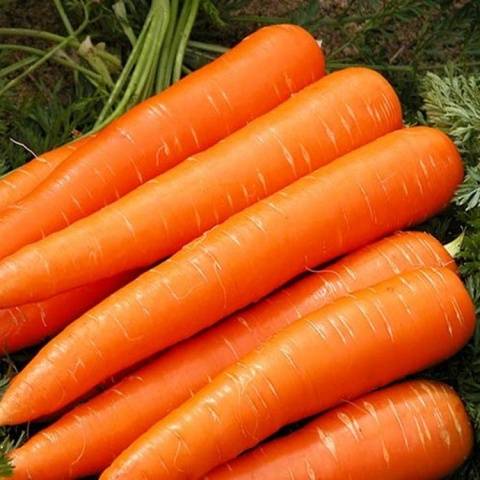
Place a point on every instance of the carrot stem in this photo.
(454, 247)
(208, 47)
(163, 80)
(185, 34)
(174, 45)
(17, 65)
(65, 61)
(53, 37)
(103, 119)
(48, 55)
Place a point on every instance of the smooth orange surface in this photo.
(391, 183)
(344, 350)
(333, 116)
(18, 184)
(60, 452)
(414, 430)
(204, 107)
(28, 324)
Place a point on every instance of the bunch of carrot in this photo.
(158, 251)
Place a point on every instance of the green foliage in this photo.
(452, 103)
(468, 195)
(38, 124)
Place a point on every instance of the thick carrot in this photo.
(18, 184)
(395, 181)
(60, 452)
(417, 429)
(206, 106)
(327, 119)
(29, 324)
(344, 350)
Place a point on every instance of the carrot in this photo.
(18, 184)
(204, 107)
(395, 181)
(60, 452)
(325, 120)
(417, 429)
(29, 324)
(344, 350)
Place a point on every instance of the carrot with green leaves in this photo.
(28, 324)
(323, 121)
(350, 347)
(59, 451)
(18, 184)
(195, 113)
(395, 181)
(417, 429)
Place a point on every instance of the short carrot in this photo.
(204, 107)
(59, 451)
(340, 352)
(417, 429)
(18, 184)
(333, 116)
(395, 181)
(28, 324)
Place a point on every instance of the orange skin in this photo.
(195, 113)
(18, 184)
(325, 120)
(59, 451)
(347, 348)
(414, 430)
(29, 324)
(391, 183)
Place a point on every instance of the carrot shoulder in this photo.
(335, 115)
(18, 184)
(59, 451)
(204, 107)
(346, 349)
(391, 183)
(31, 323)
(417, 429)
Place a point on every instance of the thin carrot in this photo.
(327, 119)
(60, 452)
(18, 184)
(344, 350)
(29, 324)
(204, 107)
(395, 181)
(417, 429)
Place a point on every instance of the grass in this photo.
(429, 50)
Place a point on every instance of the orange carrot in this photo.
(60, 452)
(18, 184)
(325, 120)
(344, 350)
(417, 429)
(29, 324)
(395, 181)
(204, 107)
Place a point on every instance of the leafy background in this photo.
(428, 49)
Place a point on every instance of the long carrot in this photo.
(414, 430)
(29, 324)
(18, 184)
(349, 347)
(60, 452)
(388, 184)
(204, 107)
(327, 119)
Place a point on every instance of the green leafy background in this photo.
(428, 49)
